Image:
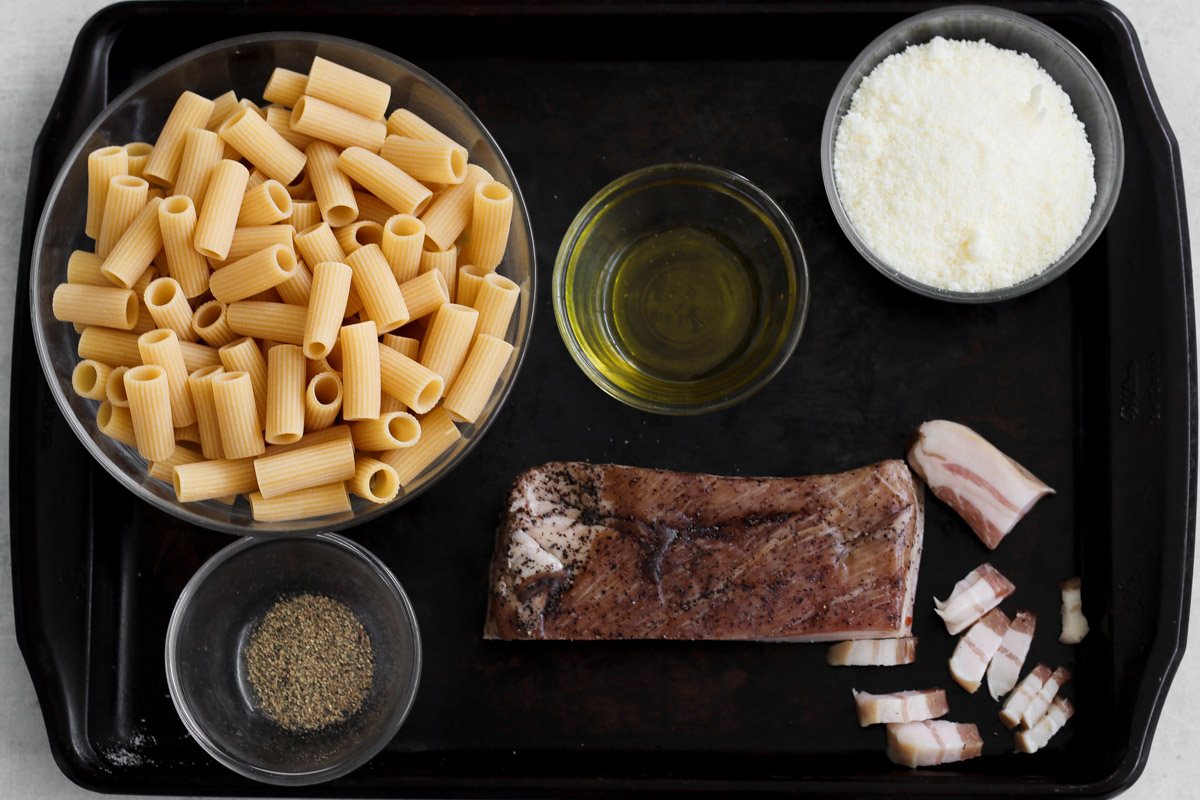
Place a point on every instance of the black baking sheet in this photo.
(1090, 382)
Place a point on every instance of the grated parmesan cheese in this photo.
(964, 166)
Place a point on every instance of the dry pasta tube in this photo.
(190, 111)
(424, 294)
(224, 106)
(297, 290)
(84, 267)
(139, 154)
(319, 501)
(384, 180)
(114, 387)
(322, 120)
(169, 308)
(126, 198)
(257, 178)
(371, 208)
(445, 262)
(449, 337)
(280, 120)
(402, 245)
(285, 394)
(278, 322)
(165, 470)
(161, 348)
(109, 346)
(188, 433)
(301, 190)
(360, 371)
(358, 234)
(89, 379)
(377, 288)
(448, 214)
(438, 162)
(285, 87)
(404, 345)
(491, 218)
(374, 481)
(244, 356)
(255, 273)
(102, 165)
(218, 215)
(319, 243)
(390, 431)
(495, 302)
(265, 204)
(438, 434)
(403, 122)
(326, 308)
(322, 401)
(196, 355)
(417, 386)
(115, 422)
(202, 151)
(330, 185)
(177, 221)
(208, 480)
(305, 467)
(477, 379)
(470, 278)
(262, 146)
(241, 431)
(348, 88)
(250, 239)
(150, 408)
(305, 213)
(210, 324)
(200, 386)
(96, 305)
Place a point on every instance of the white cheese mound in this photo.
(964, 166)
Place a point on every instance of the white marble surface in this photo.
(36, 40)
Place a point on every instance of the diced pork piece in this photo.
(923, 744)
(1074, 624)
(911, 706)
(976, 648)
(873, 652)
(1020, 699)
(1006, 665)
(1052, 721)
(972, 597)
(1038, 705)
(987, 488)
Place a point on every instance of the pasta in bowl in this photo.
(283, 283)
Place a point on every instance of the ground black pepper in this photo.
(310, 661)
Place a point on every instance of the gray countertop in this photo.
(36, 42)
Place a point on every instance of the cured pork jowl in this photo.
(924, 744)
(591, 551)
(1006, 665)
(873, 652)
(1052, 722)
(972, 597)
(1016, 704)
(976, 648)
(1074, 624)
(909, 706)
(987, 488)
(1041, 701)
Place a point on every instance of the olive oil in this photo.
(685, 303)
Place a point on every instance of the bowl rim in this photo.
(1074, 252)
(39, 320)
(709, 176)
(183, 707)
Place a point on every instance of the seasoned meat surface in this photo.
(593, 551)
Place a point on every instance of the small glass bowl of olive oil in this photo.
(681, 289)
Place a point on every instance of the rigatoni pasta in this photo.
(102, 164)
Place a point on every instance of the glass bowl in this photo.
(1069, 68)
(219, 611)
(680, 289)
(244, 65)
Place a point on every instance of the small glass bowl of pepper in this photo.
(293, 661)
